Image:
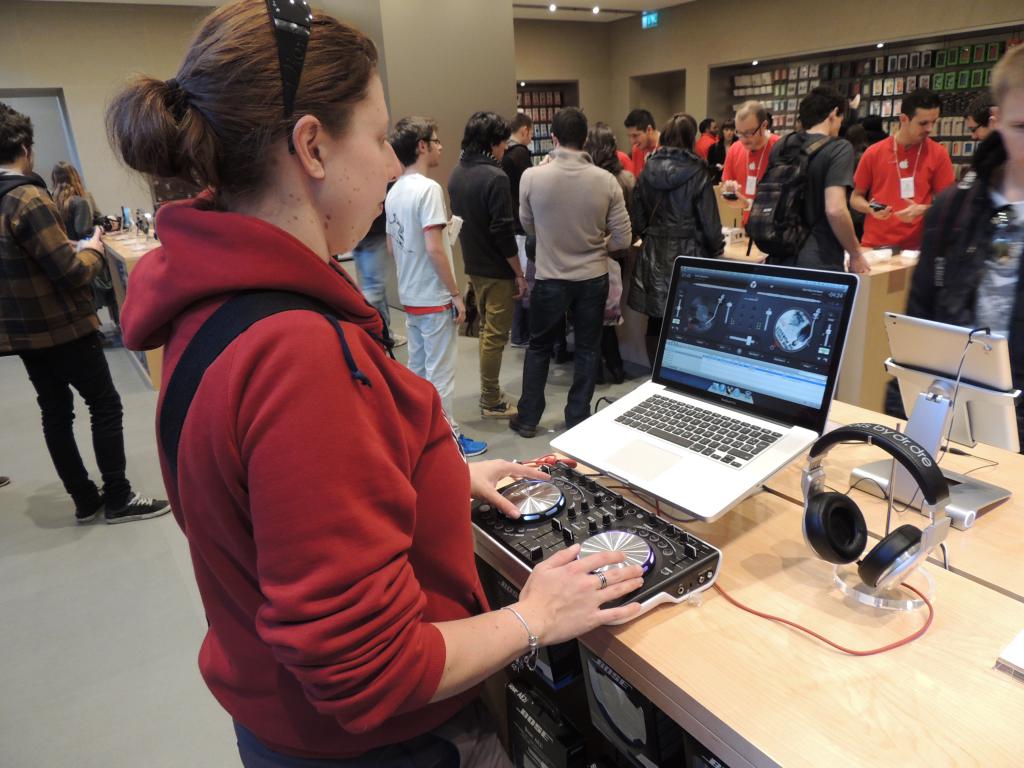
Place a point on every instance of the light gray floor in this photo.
(100, 625)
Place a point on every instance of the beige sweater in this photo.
(577, 212)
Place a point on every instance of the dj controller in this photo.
(572, 508)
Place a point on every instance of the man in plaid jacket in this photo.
(47, 319)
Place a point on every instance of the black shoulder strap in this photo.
(222, 327)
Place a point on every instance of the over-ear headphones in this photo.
(834, 526)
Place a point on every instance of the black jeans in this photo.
(549, 302)
(82, 365)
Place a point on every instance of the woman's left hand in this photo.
(484, 477)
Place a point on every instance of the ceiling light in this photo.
(880, 45)
(552, 7)
(522, 83)
(596, 9)
(754, 62)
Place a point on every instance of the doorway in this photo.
(46, 108)
(662, 94)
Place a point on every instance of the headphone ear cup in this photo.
(835, 527)
(886, 552)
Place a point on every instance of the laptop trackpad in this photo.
(643, 460)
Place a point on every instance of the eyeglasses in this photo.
(751, 133)
(292, 24)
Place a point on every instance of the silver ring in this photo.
(603, 578)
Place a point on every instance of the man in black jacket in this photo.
(481, 194)
(518, 157)
(969, 270)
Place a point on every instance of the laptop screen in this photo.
(764, 340)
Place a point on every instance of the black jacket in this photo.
(515, 162)
(675, 213)
(481, 194)
(957, 242)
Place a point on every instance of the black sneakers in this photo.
(86, 511)
(138, 508)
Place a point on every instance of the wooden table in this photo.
(991, 552)
(122, 253)
(761, 694)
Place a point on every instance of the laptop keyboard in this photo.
(721, 438)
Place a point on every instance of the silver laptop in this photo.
(747, 363)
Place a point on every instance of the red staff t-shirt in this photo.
(878, 177)
(741, 163)
(639, 159)
(704, 143)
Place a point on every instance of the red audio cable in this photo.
(844, 649)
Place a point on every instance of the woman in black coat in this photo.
(676, 214)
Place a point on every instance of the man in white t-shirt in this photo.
(418, 240)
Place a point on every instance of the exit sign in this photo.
(649, 19)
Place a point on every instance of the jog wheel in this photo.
(535, 499)
(636, 550)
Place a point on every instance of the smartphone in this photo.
(876, 206)
(730, 196)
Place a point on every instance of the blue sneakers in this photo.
(471, 447)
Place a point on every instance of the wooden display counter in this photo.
(758, 693)
(862, 379)
(991, 552)
(122, 252)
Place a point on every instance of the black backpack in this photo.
(777, 224)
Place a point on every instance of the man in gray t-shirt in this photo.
(830, 176)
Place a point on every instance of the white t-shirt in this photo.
(413, 204)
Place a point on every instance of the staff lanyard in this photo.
(917, 160)
(760, 160)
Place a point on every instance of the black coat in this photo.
(957, 242)
(481, 194)
(675, 213)
(516, 161)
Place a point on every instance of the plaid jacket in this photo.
(45, 287)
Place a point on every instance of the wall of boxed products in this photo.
(957, 68)
(540, 101)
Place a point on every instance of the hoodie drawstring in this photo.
(357, 374)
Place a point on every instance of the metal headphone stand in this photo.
(968, 496)
(897, 597)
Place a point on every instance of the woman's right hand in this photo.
(562, 598)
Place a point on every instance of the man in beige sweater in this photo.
(578, 215)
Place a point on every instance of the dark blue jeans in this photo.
(467, 740)
(549, 302)
(427, 751)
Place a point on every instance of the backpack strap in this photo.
(815, 147)
(230, 320)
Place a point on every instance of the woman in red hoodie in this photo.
(323, 496)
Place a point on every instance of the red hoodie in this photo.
(328, 519)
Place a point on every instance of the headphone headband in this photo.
(907, 451)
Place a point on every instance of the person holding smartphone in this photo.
(416, 224)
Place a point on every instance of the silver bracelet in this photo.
(529, 659)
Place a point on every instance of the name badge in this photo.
(751, 188)
(907, 188)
